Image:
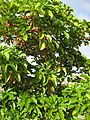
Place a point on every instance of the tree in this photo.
(47, 31)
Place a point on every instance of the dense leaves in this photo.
(45, 86)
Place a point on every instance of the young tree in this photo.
(47, 31)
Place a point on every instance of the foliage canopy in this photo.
(48, 32)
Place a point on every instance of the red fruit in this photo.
(28, 17)
(24, 43)
(5, 37)
(35, 29)
(17, 42)
(20, 40)
(12, 41)
(8, 24)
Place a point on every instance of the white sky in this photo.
(82, 8)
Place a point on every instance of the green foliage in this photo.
(48, 32)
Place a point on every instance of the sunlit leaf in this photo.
(66, 34)
(43, 45)
(25, 37)
(50, 14)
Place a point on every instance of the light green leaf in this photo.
(61, 114)
(34, 100)
(74, 112)
(49, 38)
(37, 5)
(28, 28)
(73, 100)
(71, 106)
(64, 69)
(50, 14)
(88, 61)
(41, 36)
(66, 35)
(43, 45)
(56, 117)
(6, 54)
(7, 77)
(76, 24)
(56, 44)
(40, 76)
(54, 79)
(88, 96)
(14, 66)
(19, 78)
(25, 37)
(87, 116)
(77, 108)
(38, 110)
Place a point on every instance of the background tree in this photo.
(47, 31)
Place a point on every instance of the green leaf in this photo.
(73, 100)
(27, 103)
(37, 5)
(7, 77)
(28, 28)
(50, 13)
(66, 35)
(54, 79)
(61, 49)
(87, 116)
(6, 54)
(49, 38)
(83, 107)
(38, 110)
(25, 37)
(42, 46)
(56, 44)
(41, 36)
(34, 100)
(88, 96)
(77, 108)
(40, 76)
(76, 24)
(74, 112)
(13, 66)
(61, 114)
(88, 61)
(64, 69)
(19, 78)
(71, 106)
(57, 117)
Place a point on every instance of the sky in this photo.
(82, 11)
